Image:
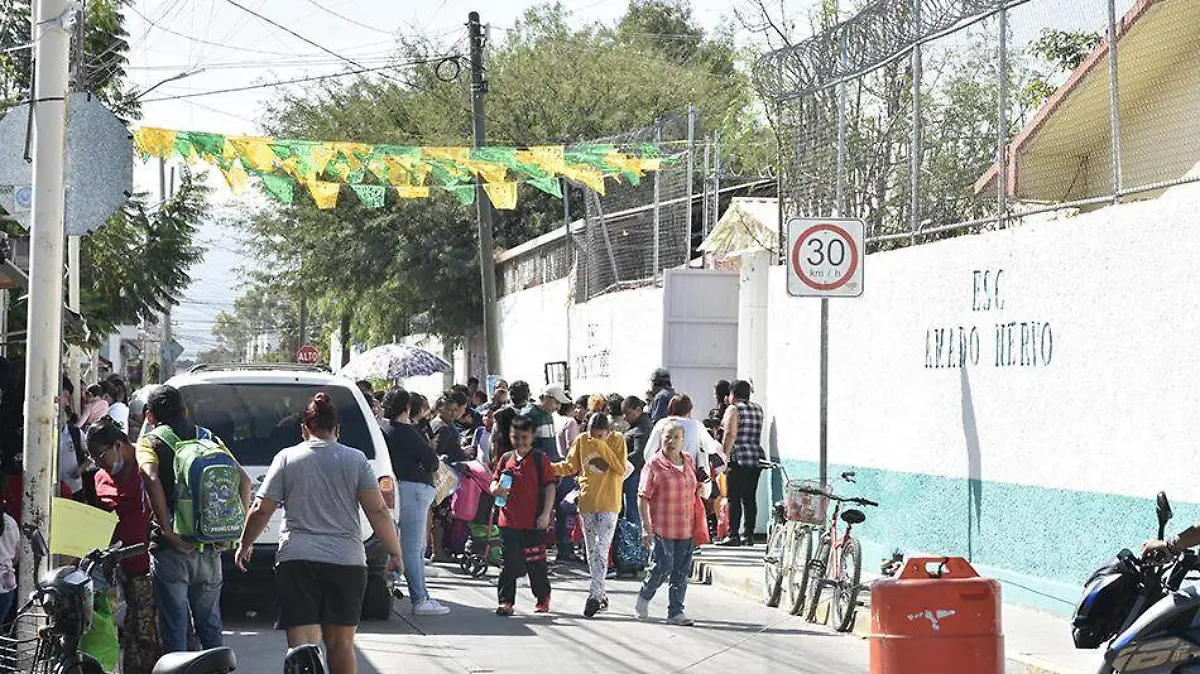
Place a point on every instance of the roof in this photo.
(749, 225)
(1095, 64)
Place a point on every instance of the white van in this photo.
(256, 411)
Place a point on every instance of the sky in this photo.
(217, 46)
(202, 46)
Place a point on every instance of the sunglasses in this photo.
(98, 456)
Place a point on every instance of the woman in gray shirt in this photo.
(321, 566)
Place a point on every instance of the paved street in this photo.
(732, 633)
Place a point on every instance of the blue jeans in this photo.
(672, 558)
(629, 496)
(187, 585)
(415, 499)
(6, 602)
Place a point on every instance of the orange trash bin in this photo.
(936, 617)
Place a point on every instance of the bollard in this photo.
(937, 617)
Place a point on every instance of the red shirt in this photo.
(524, 496)
(127, 498)
(671, 491)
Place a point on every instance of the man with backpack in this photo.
(199, 495)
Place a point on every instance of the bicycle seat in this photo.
(850, 516)
(212, 661)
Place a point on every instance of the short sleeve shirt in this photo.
(671, 491)
(317, 482)
(544, 437)
(523, 506)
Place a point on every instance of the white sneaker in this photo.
(430, 607)
(682, 620)
(642, 608)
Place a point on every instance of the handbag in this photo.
(445, 482)
(699, 523)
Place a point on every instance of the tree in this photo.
(411, 266)
(260, 310)
(135, 266)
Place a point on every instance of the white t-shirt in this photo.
(68, 460)
(10, 543)
(695, 439)
(120, 414)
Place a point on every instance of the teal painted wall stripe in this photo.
(1041, 542)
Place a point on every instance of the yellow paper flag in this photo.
(322, 154)
(325, 194)
(236, 177)
(502, 195)
(77, 529)
(458, 155)
(353, 152)
(549, 158)
(586, 175)
(491, 173)
(256, 152)
(154, 142)
(412, 191)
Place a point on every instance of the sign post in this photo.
(307, 355)
(825, 259)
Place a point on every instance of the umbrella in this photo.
(393, 362)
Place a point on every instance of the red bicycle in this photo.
(838, 562)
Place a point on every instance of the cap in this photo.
(660, 374)
(557, 393)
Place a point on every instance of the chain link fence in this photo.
(936, 118)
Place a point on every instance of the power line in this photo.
(294, 34)
(209, 42)
(298, 80)
(347, 19)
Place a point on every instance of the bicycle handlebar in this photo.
(855, 500)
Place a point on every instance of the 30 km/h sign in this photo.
(825, 257)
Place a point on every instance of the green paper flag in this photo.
(465, 193)
(551, 186)
(371, 196)
(280, 187)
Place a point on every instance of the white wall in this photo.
(612, 342)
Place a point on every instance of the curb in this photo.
(747, 585)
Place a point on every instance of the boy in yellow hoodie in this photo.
(598, 458)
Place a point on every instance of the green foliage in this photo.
(259, 310)
(1063, 51)
(412, 266)
(136, 266)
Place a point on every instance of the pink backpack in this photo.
(465, 502)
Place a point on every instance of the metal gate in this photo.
(700, 331)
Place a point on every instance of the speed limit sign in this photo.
(825, 257)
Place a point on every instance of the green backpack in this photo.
(208, 503)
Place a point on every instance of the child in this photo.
(525, 517)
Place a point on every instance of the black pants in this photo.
(742, 486)
(521, 556)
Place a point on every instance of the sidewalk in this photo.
(1035, 642)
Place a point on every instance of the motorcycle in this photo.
(63, 600)
(1137, 607)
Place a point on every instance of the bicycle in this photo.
(837, 563)
(794, 523)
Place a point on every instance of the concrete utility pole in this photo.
(166, 191)
(42, 364)
(487, 264)
(75, 355)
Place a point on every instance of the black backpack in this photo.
(1108, 596)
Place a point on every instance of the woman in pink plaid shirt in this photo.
(666, 496)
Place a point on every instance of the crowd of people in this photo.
(572, 474)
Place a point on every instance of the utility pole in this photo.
(303, 337)
(74, 355)
(487, 264)
(42, 364)
(166, 370)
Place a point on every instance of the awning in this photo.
(750, 225)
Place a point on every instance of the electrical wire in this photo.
(347, 19)
(294, 34)
(298, 80)
(210, 42)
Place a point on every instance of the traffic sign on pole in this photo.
(825, 257)
(307, 355)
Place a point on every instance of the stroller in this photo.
(474, 538)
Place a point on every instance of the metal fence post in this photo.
(716, 178)
(657, 200)
(915, 206)
(691, 179)
(1114, 101)
(1002, 122)
(707, 182)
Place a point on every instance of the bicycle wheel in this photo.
(817, 567)
(845, 597)
(773, 559)
(802, 553)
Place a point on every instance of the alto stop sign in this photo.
(825, 257)
(307, 355)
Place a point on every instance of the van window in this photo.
(256, 421)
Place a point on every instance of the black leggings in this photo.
(742, 486)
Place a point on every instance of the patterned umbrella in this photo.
(393, 362)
